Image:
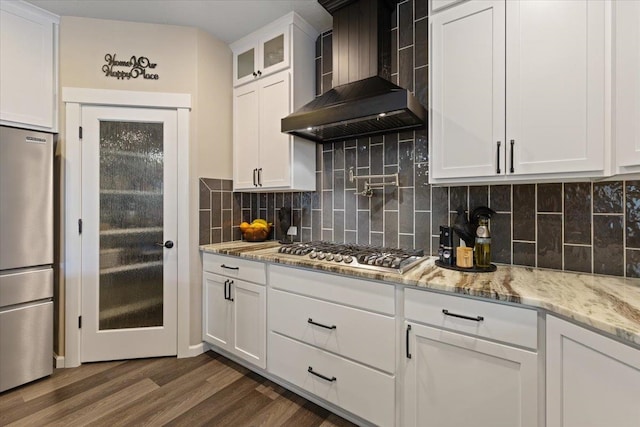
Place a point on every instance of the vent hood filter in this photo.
(366, 107)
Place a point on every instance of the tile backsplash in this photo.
(577, 226)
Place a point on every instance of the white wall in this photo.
(188, 61)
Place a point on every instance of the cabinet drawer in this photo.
(366, 337)
(490, 320)
(363, 391)
(230, 266)
(359, 293)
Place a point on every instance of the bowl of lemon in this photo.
(257, 231)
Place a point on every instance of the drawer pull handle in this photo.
(461, 316)
(230, 268)
(321, 325)
(408, 353)
(512, 143)
(230, 283)
(310, 370)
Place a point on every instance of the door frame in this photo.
(71, 268)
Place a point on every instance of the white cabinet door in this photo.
(275, 146)
(234, 317)
(261, 54)
(555, 86)
(28, 66)
(454, 380)
(262, 153)
(592, 381)
(627, 86)
(467, 84)
(246, 136)
(249, 321)
(245, 59)
(217, 311)
(274, 51)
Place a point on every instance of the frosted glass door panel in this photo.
(245, 64)
(273, 51)
(131, 225)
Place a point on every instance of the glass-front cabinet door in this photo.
(259, 56)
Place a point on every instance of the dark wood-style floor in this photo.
(205, 390)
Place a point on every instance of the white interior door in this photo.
(129, 213)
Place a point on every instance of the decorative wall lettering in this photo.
(133, 68)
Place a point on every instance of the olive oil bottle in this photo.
(482, 248)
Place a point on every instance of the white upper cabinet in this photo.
(556, 87)
(467, 84)
(264, 158)
(519, 91)
(627, 86)
(261, 54)
(28, 66)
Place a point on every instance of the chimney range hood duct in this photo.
(363, 102)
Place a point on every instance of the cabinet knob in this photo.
(255, 74)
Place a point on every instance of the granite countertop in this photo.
(606, 303)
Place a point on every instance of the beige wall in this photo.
(188, 61)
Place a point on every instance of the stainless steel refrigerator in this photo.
(26, 256)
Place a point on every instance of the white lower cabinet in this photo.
(335, 337)
(234, 312)
(592, 381)
(458, 362)
(356, 388)
(452, 379)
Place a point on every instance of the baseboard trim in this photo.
(58, 361)
(193, 351)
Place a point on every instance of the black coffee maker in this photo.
(446, 250)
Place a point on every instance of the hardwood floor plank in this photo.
(108, 405)
(77, 388)
(194, 395)
(64, 377)
(239, 413)
(177, 367)
(309, 415)
(91, 395)
(10, 399)
(138, 411)
(208, 409)
(335, 421)
(278, 411)
(208, 389)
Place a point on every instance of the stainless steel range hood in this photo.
(363, 101)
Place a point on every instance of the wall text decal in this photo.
(132, 69)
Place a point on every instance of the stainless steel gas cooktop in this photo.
(359, 256)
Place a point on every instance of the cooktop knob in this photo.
(348, 259)
(338, 258)
(321, 255)
(313, 254)
(329, 257)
